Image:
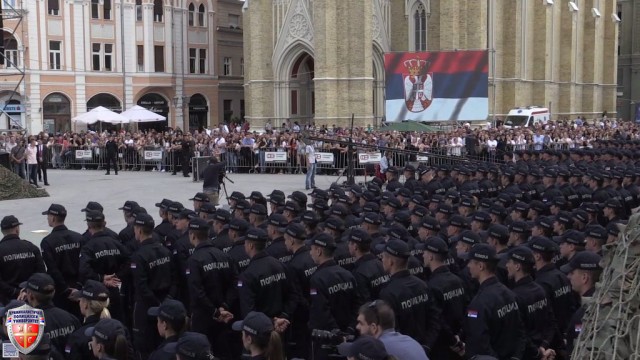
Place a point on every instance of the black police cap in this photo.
(55, 209)
(543, 244)
(9, 222)
(198, 224)
(434, 244)
(395, 247)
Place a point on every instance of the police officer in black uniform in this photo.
(417, 314)
(264, 285)
(493, 325)
(165, 227)
(556, 285)
(584, 271)
(19, 259)
(112, 152)
(237, 231)
(212, 287)
(38, 292)
(221, 227)
(275, 230)
(104, 259)
(449, 292)
(182, 249)
(95, 206)
(188, 147)
(153, 277)
(126, 235)
(367, 270)
(301, 267)
(60, 252)
(536, 311)
(172, 323)
(77, 344)
(334, 295)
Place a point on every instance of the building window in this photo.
(420, 28)
(158, 57)
(107, 9)
(226, 109)
(158, 14)
(95, 56)
(10, 52)
(234, 21)
(108, 57)
(193, 58)
(242, 66)
(138, 10)
(226, 67)
(53, 7)
(95, 9)
(201, 12)
(140, 56)
(197, 61)
(202, 59)
(192, 10)
(55, 55)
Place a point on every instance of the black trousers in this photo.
(217, 333)
(145, 334)
(42, 171)
(111, 160)
(185, 166)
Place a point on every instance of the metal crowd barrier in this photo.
(266, 161)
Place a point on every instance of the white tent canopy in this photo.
(140, 114)
(100, 114)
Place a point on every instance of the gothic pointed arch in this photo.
(294, 89)
(297, 28)
(418, 13)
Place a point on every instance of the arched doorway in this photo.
(56, 112)
(108, 101)
(105, 100)
(301, 90)
(378, 86)
(159, 105)
(198, 112)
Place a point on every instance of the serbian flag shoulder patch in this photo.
(472, 314)
(313, 292)
(133, 265)
(578, 328)
(239, 283)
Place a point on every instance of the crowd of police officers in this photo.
(473, 258)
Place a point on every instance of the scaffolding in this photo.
(11, 18)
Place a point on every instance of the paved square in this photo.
(74, 188)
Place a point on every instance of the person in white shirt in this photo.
(32, 162)
(492, 146)
(310, 179)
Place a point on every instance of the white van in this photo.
(527, 117)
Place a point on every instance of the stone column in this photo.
(258, 45)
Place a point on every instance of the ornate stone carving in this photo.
(299, 26)
(376, 30)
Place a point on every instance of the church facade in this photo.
(323, 60)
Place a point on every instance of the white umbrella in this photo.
(140, 114)
(100, 114)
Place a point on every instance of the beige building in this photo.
(321, 61)
(165, 55)
(629, 60)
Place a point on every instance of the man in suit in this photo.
(112, 152)
(42, 156)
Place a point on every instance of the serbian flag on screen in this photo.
(437, 86)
